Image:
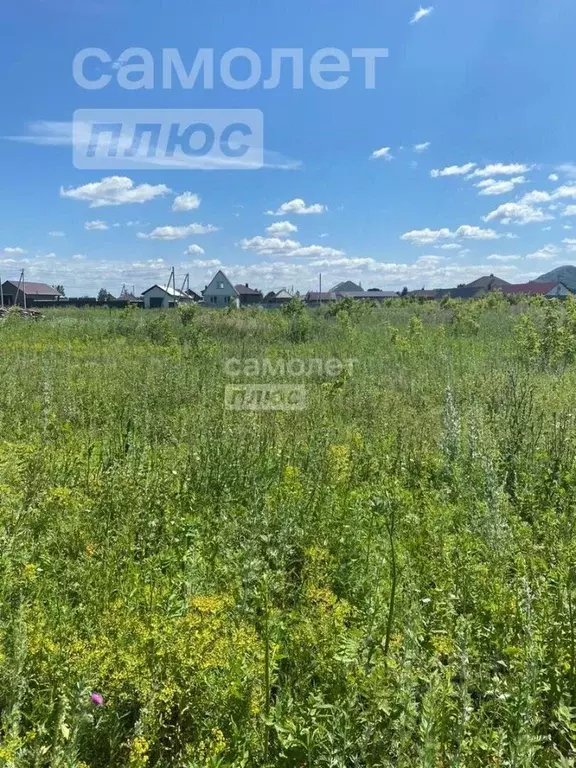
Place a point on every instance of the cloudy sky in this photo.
(461, 161)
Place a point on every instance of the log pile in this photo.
(19, 312)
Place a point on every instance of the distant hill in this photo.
(566, 275)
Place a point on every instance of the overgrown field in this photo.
(386, 578)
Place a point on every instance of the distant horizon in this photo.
(264, 290)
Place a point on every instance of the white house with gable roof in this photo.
(158, 297)
(220, 292)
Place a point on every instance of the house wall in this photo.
(250, 298)
(10, 295)
(220, 292)
(157, 293)
(218, 297)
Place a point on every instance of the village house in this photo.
(220, 292)
(367, 295)
(278, 299)
(347, 286)
(550, 290)
(28, 293)
(247, 295)
(158, 297)
(317, 298)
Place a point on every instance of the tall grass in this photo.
(386, 578)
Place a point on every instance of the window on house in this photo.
(220, 286)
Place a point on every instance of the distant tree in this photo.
(60, 288)
(404, 291)
(103, 295)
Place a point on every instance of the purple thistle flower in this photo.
(96, 699)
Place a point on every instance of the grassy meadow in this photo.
(386, 578)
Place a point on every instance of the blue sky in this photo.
(484, 89)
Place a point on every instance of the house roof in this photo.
(220, 277)
(245, 290)
(168, 290)
(35, 289)
(489, 282)
(347, 285)
(368, 294)
(281, 294)
(531, 289)
(317, 296)
(463, 292)
(423, 293)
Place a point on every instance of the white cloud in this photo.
(298, 206)
(536, 196)
(569, 169)
(384, 152)
(281, 228)
(421, 147)
(500, 169)
(547, 252)
(566, 191)
(177, 233)
(194, 250)
(570, 244)
(493, 187)
(421, 13)
(205, 264)
(426, 236)
(89, 275)
(119, 63)
(46, 133)
(570, 210)
(553, 177)
(91, 226)
(500, 257)
(466, 232)
(57, 234)
(114, 190)
(517, 213)
(453, 170)
(476, 233)
(187, 201)
(449, 247)
(275, 246)
(316, 251)
(15, 251)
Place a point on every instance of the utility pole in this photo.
(171, 281)
(1, 294)
(320, 276)
(18, 290)
(24, 288)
